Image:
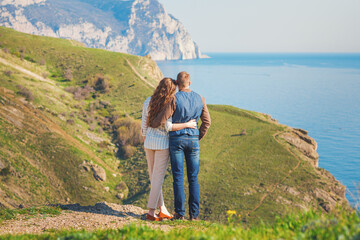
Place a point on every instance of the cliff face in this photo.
(139, 27)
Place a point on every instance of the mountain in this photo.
(139, 27)
(69, 133)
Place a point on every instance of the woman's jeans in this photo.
(185, 146)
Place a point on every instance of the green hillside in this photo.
(66, 110)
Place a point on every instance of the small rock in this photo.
(107, 189)
(2, 165)
(121, 186)
(86, 166)
(114, 174)
(67, 199)
(21, 206)
(243, 132)
(120, 196)
(99, 173)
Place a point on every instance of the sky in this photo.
(270, 25)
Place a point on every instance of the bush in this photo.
(128, 131)
(100, 83)
(17, 54)
(8, 73)
(83, 93)
(23, 91)
(127, 151)
(42, 62)
(70, 121)
(68, 75)
(80, 93)
(6, 50)
(71, 89)
(5, 171)
(104, 144)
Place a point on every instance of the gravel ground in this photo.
(73, 216)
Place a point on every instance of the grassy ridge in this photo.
(60, 55)
(46, 164)
(237, 171)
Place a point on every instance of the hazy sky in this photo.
(270, 25)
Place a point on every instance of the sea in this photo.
(316, 92)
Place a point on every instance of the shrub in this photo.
(100, 83)
(8, 73)
(70, 121)
(6, 50)
(127, 131)
(23, 91)
(104, 144)
(127, 151)
(68, 75)
(80, 93)
(71, 89)
(17, 54)
(42, 62)
(83, 93)
(5, 171)
(105, 123)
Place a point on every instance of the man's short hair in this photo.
(183, 79)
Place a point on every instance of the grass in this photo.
(340, 224)
(237, 171)
(127, 89)
(46, 211)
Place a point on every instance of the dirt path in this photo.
(281, 181)
(100, 216)
(25, 71)
(139, 75)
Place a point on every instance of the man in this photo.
(185, 106)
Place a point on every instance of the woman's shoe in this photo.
(153, 218)
(164, 216)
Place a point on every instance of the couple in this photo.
(169, 127)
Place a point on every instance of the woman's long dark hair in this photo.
(162, 95)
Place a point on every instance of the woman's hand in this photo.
(191, 124)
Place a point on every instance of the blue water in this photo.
(316, 92)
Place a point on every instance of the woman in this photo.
(156, 144)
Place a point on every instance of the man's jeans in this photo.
(185, 146)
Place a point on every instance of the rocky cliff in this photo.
(139, 27)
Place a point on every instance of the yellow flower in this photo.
(231, 212)
(239, 216)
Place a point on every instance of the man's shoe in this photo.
(178, 217)
(164, 216)
(194, 219)
(152, 218)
